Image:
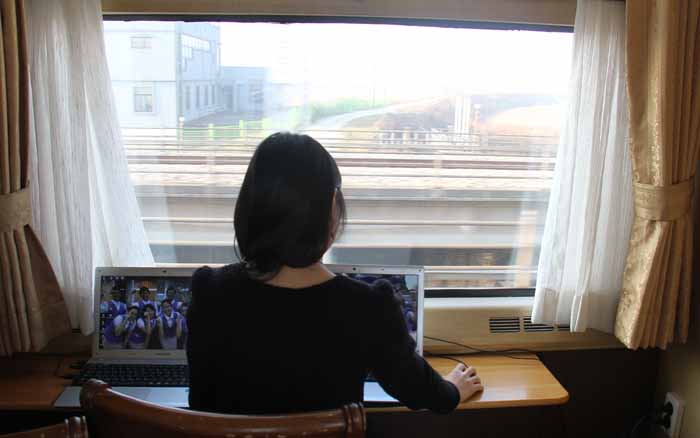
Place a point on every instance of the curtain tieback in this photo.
(665, 203)
(15, 210)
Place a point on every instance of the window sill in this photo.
(467, 321)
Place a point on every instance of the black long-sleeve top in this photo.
(254, 348)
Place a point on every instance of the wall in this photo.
(130, 67)
(680, 372)
(679, 366)
(164, 105)
(129, 64)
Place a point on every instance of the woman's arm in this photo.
(403, 373)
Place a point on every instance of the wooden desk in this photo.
(508, 382)
(34, 383)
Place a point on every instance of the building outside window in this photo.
(206, 95)
(141, 42)
(197, 97)
(187, 98)
(143, 99)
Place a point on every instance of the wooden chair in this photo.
(73, 427)
(114, 415)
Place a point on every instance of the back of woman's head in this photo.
(285, 213)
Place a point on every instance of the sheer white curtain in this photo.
(85, 209)
(586, 234)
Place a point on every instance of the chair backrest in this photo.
(114, 415)
(74, 427)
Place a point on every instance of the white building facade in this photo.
(163, 72)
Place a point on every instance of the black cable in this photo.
(504, 353)
(639, 422)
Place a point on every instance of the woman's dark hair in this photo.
(284, 213)
(149, 306)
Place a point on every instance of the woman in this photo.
(139, 331)
(169, 326)
(182, 341)
(279, 332)
(172, 294)
(150, 319)
(115, 333)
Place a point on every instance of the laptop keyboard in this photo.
(134, 374)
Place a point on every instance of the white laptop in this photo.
(126, 299)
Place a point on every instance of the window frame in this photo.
(136, 94)
(543, 12)
(430, 292)
(143, 39)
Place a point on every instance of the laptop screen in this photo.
(405, 289)
(143, 312)
(147, 312)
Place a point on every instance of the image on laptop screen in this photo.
(405, 288)
(143, 312)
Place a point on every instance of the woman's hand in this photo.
(466, 381)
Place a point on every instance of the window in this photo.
(143, 99)
(141, 42)
(187, 98)
(191, 43)
(446, 139)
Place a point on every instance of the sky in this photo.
(391, 62)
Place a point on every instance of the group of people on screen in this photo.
(144, 323)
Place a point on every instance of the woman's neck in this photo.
(299, 278)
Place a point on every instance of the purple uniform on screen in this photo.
(169, 324)
(137, 335)
(110, 339)
(177, 304)
(116, 308)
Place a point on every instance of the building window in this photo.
(213, 94)
(194, 43)
(206, 95)
(187, 98)
(143, 99)
(141, 42)
(196, 100)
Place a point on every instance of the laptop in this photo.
(151, 365)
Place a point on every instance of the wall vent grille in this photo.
(510, 324)
(529, 326)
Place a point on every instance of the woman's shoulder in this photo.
(379, 291)
(208, 278)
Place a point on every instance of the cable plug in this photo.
(662, 416)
